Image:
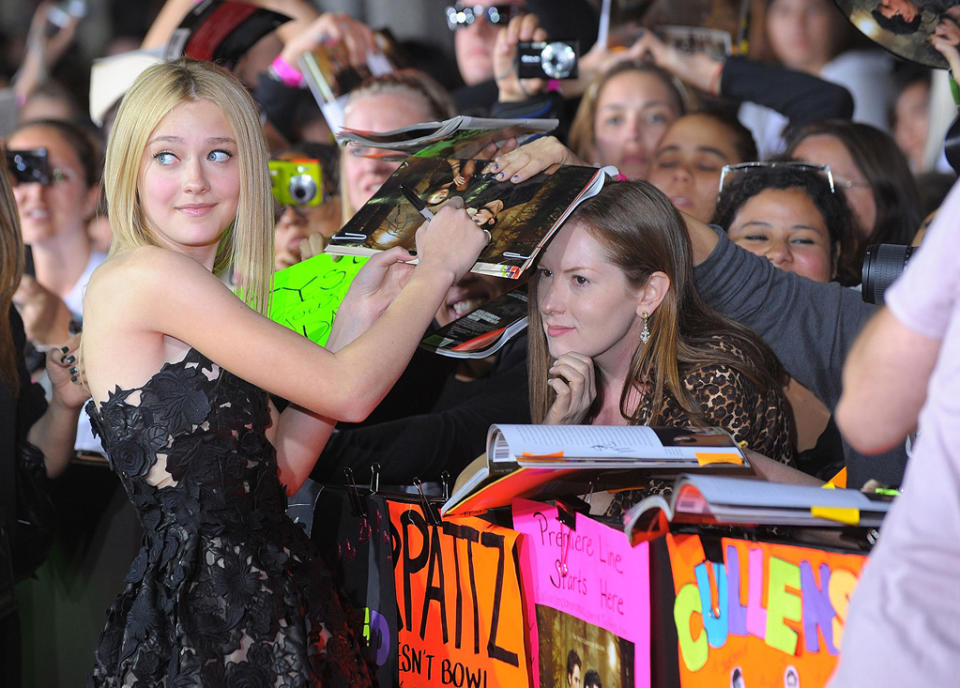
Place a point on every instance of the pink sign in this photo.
(588, 597)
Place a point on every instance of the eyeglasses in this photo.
(729, 171)
(458, 16)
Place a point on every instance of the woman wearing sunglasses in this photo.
(54, 210)
(793, 214)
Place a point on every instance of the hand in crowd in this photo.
(573, 380)
(354, 36)
(512, 87)
(46, 318)
(945, 39)
(451, 240)
(65, 368)
(43, 49)
(542, 154)
(371, 292)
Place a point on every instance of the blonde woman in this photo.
(224, 588)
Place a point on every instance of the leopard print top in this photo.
(761, 421)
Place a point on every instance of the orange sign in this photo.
(768, 615)
(458, 596)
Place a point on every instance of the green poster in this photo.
(306, 295)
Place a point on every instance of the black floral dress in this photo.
(224, 591)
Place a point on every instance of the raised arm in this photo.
(196, 308)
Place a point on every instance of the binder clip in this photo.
(353, 492)
(445, 482)
(567, 509)
(429, 510)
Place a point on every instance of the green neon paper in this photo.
(306, 295)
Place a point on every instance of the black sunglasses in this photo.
(495, 14)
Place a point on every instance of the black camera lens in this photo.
(303, 188)
(882, 264)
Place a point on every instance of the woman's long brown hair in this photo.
(643, 233)
(11, 270)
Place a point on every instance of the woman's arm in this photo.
(196, 308)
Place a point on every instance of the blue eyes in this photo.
(167, 158)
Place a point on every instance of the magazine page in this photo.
(458, 137)
(561, 445)
(520, 217)
(711, 499)
(484, 330)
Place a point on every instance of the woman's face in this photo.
(189, 179)
(829, 150)
(634, 109)
(802, 33)
(912, 114)
(586, 304)
(688, 161)
(49, 213)
(785, 226)
(380, 112)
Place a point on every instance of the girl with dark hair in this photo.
(619, 334)
(787, 212)
(875, 176)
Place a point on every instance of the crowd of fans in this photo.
(644, 309)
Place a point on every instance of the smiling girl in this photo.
(224, 589)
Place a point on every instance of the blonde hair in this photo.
(409, 82)
(11, 271)
(247, 244)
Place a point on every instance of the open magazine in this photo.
(543, 461)
(484, 330)
(459, 137)
(521, 217)
(721, 500)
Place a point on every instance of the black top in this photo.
(446, 436)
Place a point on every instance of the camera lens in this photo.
(557, 60)
(882, 264)
(303, 189)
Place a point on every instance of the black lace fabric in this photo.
(225, 590)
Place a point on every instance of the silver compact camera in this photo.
(547, 59)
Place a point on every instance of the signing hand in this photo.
(573, 379)
(451, 240)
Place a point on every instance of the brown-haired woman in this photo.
(619, 334)
(25, 417)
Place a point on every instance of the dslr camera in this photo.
(29, 166)
(882, 264)
(547, 59)
(296, 182)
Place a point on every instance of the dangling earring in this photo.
(645, 332)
